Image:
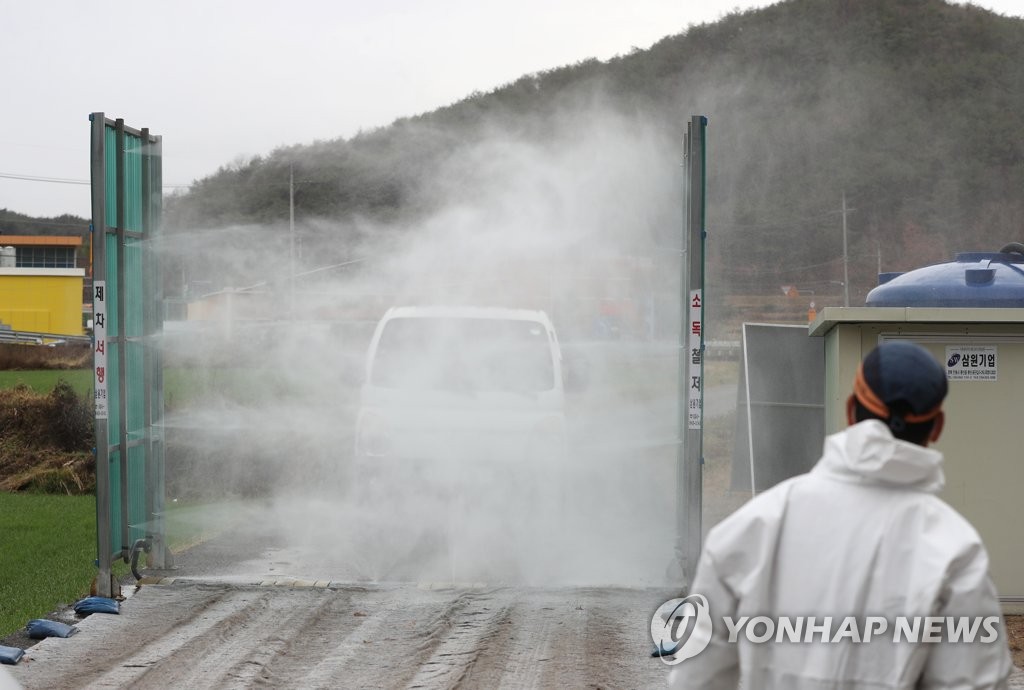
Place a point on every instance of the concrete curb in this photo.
(284, 582)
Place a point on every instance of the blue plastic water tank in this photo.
(974, 279)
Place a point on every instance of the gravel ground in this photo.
(318, 635)
(200, 635)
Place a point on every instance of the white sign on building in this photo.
(972, 362)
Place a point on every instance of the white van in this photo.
(467, 384)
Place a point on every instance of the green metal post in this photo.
(122, 342)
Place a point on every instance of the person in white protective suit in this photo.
(861, 535)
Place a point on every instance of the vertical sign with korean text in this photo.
(99, 335)
(694, 361)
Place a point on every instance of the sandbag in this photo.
(11, 655)
(84, 607)
(40, 628)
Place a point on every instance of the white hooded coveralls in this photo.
(860, 535)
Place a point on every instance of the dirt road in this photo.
(218, 635)
(308, 591)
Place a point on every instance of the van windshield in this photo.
(464, 354)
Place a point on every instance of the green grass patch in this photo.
(48, 549)
(48, 546)
(43, 380)
(182, 386)
(185, 386)
(188, 523)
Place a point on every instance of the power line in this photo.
(65, 180)
(264, 185)
(34, 178)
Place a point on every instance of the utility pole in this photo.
(291, 240)
(846, 255)
(846, 259)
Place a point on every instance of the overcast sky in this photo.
(224, 79)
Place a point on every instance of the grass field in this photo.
(48, 545)
(43, 380)
(48, 549)
(181, 386)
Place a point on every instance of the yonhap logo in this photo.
(681, 628)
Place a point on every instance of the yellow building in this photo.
(41, 284)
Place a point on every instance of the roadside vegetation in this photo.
(43, 381)
(47, 478)
(46, 419)
(46, 440)
(48, 544)
(47, 484)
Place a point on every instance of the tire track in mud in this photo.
(606, 643)
(322, 651)
(514, 657)
(300, 630)
(165, 660)
(456, 648)
(250, 657)
(379, 638)
(525, 638)
(334, 664)
(170, 610)
(394, 636)
(569, 638)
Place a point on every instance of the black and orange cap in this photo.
(901, 371)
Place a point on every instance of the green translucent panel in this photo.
(113, 392)
(136, 486)
(135, 376)
(113, 325)
(133, 200)
(127, 351)
(134, 301)
(110, 184)
(134, 328)
(137, 517)
(115, 499)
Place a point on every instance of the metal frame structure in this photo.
(126, 169)
(771, 402)
(690, 463)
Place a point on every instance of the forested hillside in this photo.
(13, 223)
(912, 108)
